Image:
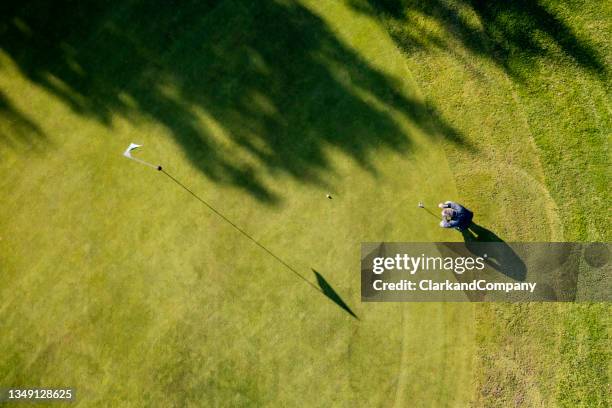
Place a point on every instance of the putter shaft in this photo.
(432, 214)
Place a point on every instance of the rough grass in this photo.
(528, 83)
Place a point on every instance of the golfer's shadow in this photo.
(497, 254)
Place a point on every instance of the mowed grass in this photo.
(528, 84)
(123, 286)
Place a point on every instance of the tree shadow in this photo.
(20, 132)
(247, 89)
(496, 253)
(511, 33)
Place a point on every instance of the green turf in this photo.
(528, 83)
(120, 284)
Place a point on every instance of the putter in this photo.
(421, 205)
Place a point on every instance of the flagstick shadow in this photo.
(328, 291)
(324, 287)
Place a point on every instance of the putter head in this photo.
(421, 205)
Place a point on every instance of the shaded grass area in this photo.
(271, 76)
(516, 32)
(22, 131)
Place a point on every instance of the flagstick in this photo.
(144, 162)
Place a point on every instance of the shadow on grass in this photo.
(328, 291)
(247, 89)
(20, 132)
(481, 242)
(498, 255)
(511, 33)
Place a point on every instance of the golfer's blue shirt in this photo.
(461, 220)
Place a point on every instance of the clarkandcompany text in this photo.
(475, 285)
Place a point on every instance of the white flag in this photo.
(128, 154)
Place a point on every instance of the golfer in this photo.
(455, 216)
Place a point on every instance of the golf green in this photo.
(118, 283)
